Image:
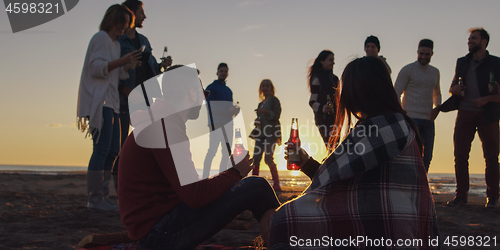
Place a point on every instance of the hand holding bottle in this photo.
(491, 87)
(166, 62)
(457, 90)
(293, 153)
(292, 147)
(328, 109)
(235, 110)
(244, 163)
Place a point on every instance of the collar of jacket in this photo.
(485, 59)
(220, 82)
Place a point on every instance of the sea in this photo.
(439, 183)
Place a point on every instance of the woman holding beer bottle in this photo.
(269, 134)
(99, 103)
(323, 84)
(374, 184)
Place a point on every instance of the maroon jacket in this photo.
(148, 186)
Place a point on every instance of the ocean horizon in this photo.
(440, 183)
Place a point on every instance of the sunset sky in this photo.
(277, 39)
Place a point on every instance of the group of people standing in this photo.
(380, 193)
(418, 83)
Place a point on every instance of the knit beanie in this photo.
(374, 40)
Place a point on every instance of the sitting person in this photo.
(163, 204)
(373, 185)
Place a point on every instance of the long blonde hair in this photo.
(261, 94)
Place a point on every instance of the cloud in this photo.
(60, 125)
(253, 27)
(258, 55)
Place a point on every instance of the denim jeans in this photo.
(185, 227)
(217, 139)
(427, 132)
(265, 146)
(124, 128)
(106, 142)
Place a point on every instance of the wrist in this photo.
(239, 173)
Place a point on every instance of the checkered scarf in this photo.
(378, 190)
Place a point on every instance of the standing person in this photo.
(372, 48)
(163, 203)
(268, 112)
(99, 102)
(130, 41)
(323, 84)
(479, 111)
(419, 82)
(374, 183)
(221, 112)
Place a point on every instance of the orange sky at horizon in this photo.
(277, 39)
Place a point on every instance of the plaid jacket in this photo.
(372, 187)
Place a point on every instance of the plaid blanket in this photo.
(372, 191)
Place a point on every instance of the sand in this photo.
(49, 212)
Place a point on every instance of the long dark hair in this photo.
(317, 67)
(366, 87)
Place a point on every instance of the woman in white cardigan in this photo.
(99, 103)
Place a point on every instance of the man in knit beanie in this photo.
(372, 48)
(419, 82)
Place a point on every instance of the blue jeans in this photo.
(217, 139)
(427, 132)
(106, 142)
(184, 227)
(124, 128)
(265, 146)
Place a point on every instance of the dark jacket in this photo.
(127, 46)
(488, 64)
(219, 103)
(271, 124)
(328, 84)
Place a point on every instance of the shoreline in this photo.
(49, 212)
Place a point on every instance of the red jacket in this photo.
(148, 185)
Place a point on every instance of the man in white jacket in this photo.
(419, 82)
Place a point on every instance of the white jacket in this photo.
(98, 87)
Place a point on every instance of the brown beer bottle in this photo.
(329, 103)
(493, 83)
(293, 155)
(461, 83)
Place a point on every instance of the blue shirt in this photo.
(127, 46)
(219, 103)
(219, 91)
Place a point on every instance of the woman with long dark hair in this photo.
(268, 112)
(99, 102)
(323, 84)
(374, 183)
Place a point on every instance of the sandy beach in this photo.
(49, 212)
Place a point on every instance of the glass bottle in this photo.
(293, 154)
